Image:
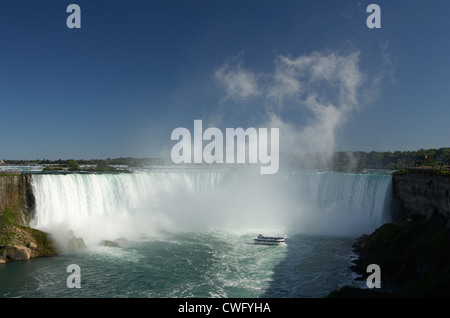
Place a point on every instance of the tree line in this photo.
(75, 163)
(360, 160)
(340, 160)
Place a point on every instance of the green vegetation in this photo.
(340, 161)
(8, 217)
(435, 171)
(104, 166)
(15, 206)
(68, 165)
(74, 166)
(13, 233)
(414, 257)
(128, 161)
(391, 160)
(6, 174)
(55, 168)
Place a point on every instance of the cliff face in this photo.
(413, 254)
(17, 240)
(423, 193)
(16, 195)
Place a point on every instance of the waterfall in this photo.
(108, 206)
(343, 203)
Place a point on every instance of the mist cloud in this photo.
(308, 97)
(239, 84)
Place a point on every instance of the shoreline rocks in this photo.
(18, 253)
(19, 243)
(76, 243)
(115, 243)
(413, 256)
(109, 243)
(73, 242)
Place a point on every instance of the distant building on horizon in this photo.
(2, 162)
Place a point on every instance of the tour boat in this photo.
(269, 240)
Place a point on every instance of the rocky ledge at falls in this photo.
(423, 191)
(17, 240)
(22, 242)
(413, 252)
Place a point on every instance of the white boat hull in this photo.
(268, 243)
(268, 240)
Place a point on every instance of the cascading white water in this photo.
(343, 203)
(108, 206)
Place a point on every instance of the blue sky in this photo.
(136, 70)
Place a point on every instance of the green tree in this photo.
(72, 165)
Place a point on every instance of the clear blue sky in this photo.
(138, 69)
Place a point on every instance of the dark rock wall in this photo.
(423, 194)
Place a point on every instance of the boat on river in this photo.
(269, 240)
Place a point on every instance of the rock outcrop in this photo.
(414, 257)
(413, 253)
(16, 194)
(74, 242)
(423, 192)
(18, 253)
(21, 243)
(18, 241)
(109, 243)
(116, 243)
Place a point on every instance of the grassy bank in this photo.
(431, 171)
(13, 233)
